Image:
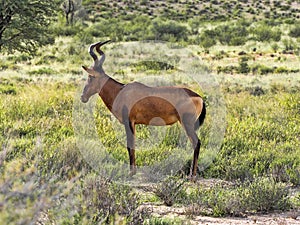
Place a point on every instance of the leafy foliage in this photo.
(170, 190)
(265, 33)
(263, 194)
(24, 24)
(235, 34)
(207, 39)
(169, 31)
(295, 31)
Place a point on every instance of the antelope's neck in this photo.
(109, 91)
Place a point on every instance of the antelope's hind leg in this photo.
(130, 135)
(191, 133)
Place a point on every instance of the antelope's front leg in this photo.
(130, 134)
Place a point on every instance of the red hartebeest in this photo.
(136, 103)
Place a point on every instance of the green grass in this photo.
(263, 138)
(38, 145)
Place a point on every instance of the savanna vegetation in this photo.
(252, 48)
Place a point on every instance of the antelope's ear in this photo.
(90, 71)
(85, 68)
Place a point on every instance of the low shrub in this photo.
(61, 29)
(206, 39)
(289, 45)
(19, 58)
(227, 69)
(8, 89)
(152, 65)
(170, 190)
(266, 33)
(233, 34)
(169, 31)
(165, 221)
(42, 71)
(261, 69)
(295, 31)
(256, 91)
(243, 65)
(104, 200)
(263, 194)
(256, 69)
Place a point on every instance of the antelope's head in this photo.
(95, 73)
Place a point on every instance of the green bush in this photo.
(104, 200)
(263, 194)
(266, 33)
(84, 38)
(134, 29)
(281, 70)
(256, 91)
(8, 88)
(62, 30)
(207, 39)
(170, 190)
(295, 31)
(165, 221)
(227, 69)
(42, 71)
(152, 65)
(233, 34)
(169, 31)
(243, 65)
(139, 28)
(289, 45)
(261, 69)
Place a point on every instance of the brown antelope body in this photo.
(136, 103)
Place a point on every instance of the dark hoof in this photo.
(192, 178)
(132, 172)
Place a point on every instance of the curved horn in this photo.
(97, 45)
(91, 50)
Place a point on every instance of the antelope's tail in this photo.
(201, 118)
